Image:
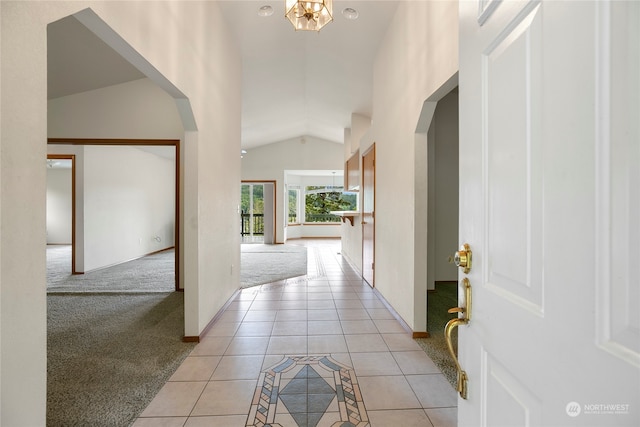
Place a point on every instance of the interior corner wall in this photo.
(190, 44)
(59, 206)
(431, 207)
(347, 144)
(269, 163)
(78, 152)
(445, 122)
(418, 55)
(360, 125)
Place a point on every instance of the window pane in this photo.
(319, 201)
(293, 206)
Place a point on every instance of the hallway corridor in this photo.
(318, 350)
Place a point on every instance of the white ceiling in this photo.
(293, 83)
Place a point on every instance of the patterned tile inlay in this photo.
(307, 396)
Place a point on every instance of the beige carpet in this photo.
(262, 264)
(153, 273)
(108, 355)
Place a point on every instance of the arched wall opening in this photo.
(135, 135)
(426, 246)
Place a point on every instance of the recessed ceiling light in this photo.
(350, 13)
(265, 10)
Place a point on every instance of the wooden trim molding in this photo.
(421, 335)
(405, 326)
(98, 141)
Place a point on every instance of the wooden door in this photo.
(549, 204)
(368, 214)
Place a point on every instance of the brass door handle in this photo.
(448, 329)
(462, 258)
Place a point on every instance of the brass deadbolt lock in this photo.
(462, 258)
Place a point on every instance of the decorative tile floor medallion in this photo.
(308, 391)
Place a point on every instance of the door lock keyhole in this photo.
(462, 258)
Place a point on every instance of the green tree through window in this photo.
(293, 206)
(258, 198)
(319, 201)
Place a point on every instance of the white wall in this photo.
(59, 206)
(269, 162)
(137, 109)
(187, 44)
(352, 234)
(129, 198)
(127, 201)
(134, 110)
(418, 55)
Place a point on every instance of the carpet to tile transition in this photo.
(262, 264)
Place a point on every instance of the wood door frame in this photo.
(370, 150)
(134, 142)
(275, 200)
(71, 157)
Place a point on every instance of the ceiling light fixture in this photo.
(350, 13)
(265, 10)
(310, 15)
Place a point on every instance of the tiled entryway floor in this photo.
(319, 350)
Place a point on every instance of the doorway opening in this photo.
(442, 231)
(437, 213)
(61, 217)
(368, 215)
(165, 240)
(257, 212)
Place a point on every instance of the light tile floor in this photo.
(320, 350)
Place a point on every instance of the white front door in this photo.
(550, 206)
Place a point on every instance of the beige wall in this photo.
(187, 43)
(418, 55)
(136, 109)
(139, 109)
(59, 206)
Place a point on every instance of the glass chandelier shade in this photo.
(309, 15)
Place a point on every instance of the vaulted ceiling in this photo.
(293, 84)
